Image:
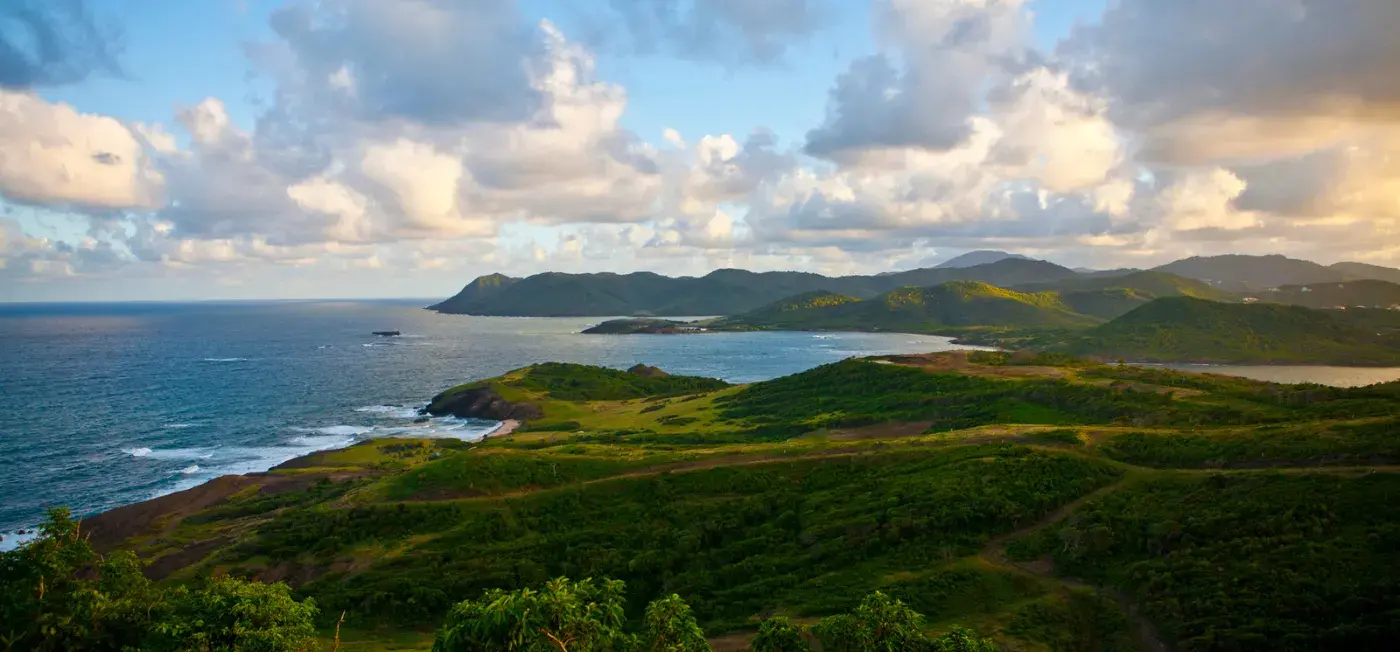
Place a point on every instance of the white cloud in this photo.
(439, 137)
(950, 51)
(52, 154)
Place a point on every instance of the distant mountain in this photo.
(1237, 273)
(975, 258)
(1365, 271)
(722, 292)
(947, 307)
(1349, 294)
(1110, 296)
(1186, 329)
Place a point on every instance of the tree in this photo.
(880, 623)
(233, 615)
(961, 639)
(567, 616)
(779, 635)
(671, 627)
(57, 593)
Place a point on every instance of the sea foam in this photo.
(338, 431)
(390, 411)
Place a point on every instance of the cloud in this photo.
(950, 50)
(432, 139)
(50, 154)
(1168, 59)
(27, 257)
(733, 32)
(52, 42)
(431, 61)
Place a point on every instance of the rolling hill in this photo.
(947, 307)
(1367, 271)
(1186, 329)
(975, 258)
(1239, 273)
(1350, 294)
(1107, 297)
(722, 292)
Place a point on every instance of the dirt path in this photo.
(994, 552)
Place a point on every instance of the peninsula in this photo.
(1045, 502)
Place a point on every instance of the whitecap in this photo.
(226, 359)
(392, 411)
(13, 539)
(179, 426)
(190, 470)
(170, 453)
(323, 442)
(338, 431)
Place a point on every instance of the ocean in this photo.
(103, 405)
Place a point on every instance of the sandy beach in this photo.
(508, 426)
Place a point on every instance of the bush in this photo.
(56, 593)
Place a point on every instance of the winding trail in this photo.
(994, 553)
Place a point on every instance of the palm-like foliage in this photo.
(568, 616)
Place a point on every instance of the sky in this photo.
(229, 149)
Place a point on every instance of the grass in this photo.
(800, 495)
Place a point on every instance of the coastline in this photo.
(218, 487)
(507, 426)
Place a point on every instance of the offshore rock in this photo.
(481, 403)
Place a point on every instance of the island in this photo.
(1034, 500)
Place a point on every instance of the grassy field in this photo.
(1048, 502)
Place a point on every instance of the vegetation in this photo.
(902, 503)
(943, 308)
(1110, 296)
(1187, 329)
(1237, 273)
(1276, 561)
(723, 292)
(564, 615)
(1349, 294)
(56, 593)
(635, 326)
(575, 382)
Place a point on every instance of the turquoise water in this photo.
(105, 405)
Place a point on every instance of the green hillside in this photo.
(1181, 511)
(1348, 294)
(948, 307)
(1239, 273)
(1367, 271)
(1108, 296)
(722, 292)
(1185, 329)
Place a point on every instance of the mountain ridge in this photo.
(721, 292)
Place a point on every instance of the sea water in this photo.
(106, 405)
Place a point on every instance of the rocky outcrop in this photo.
(644, 370)
(481, 403)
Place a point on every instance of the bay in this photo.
(106, 405)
